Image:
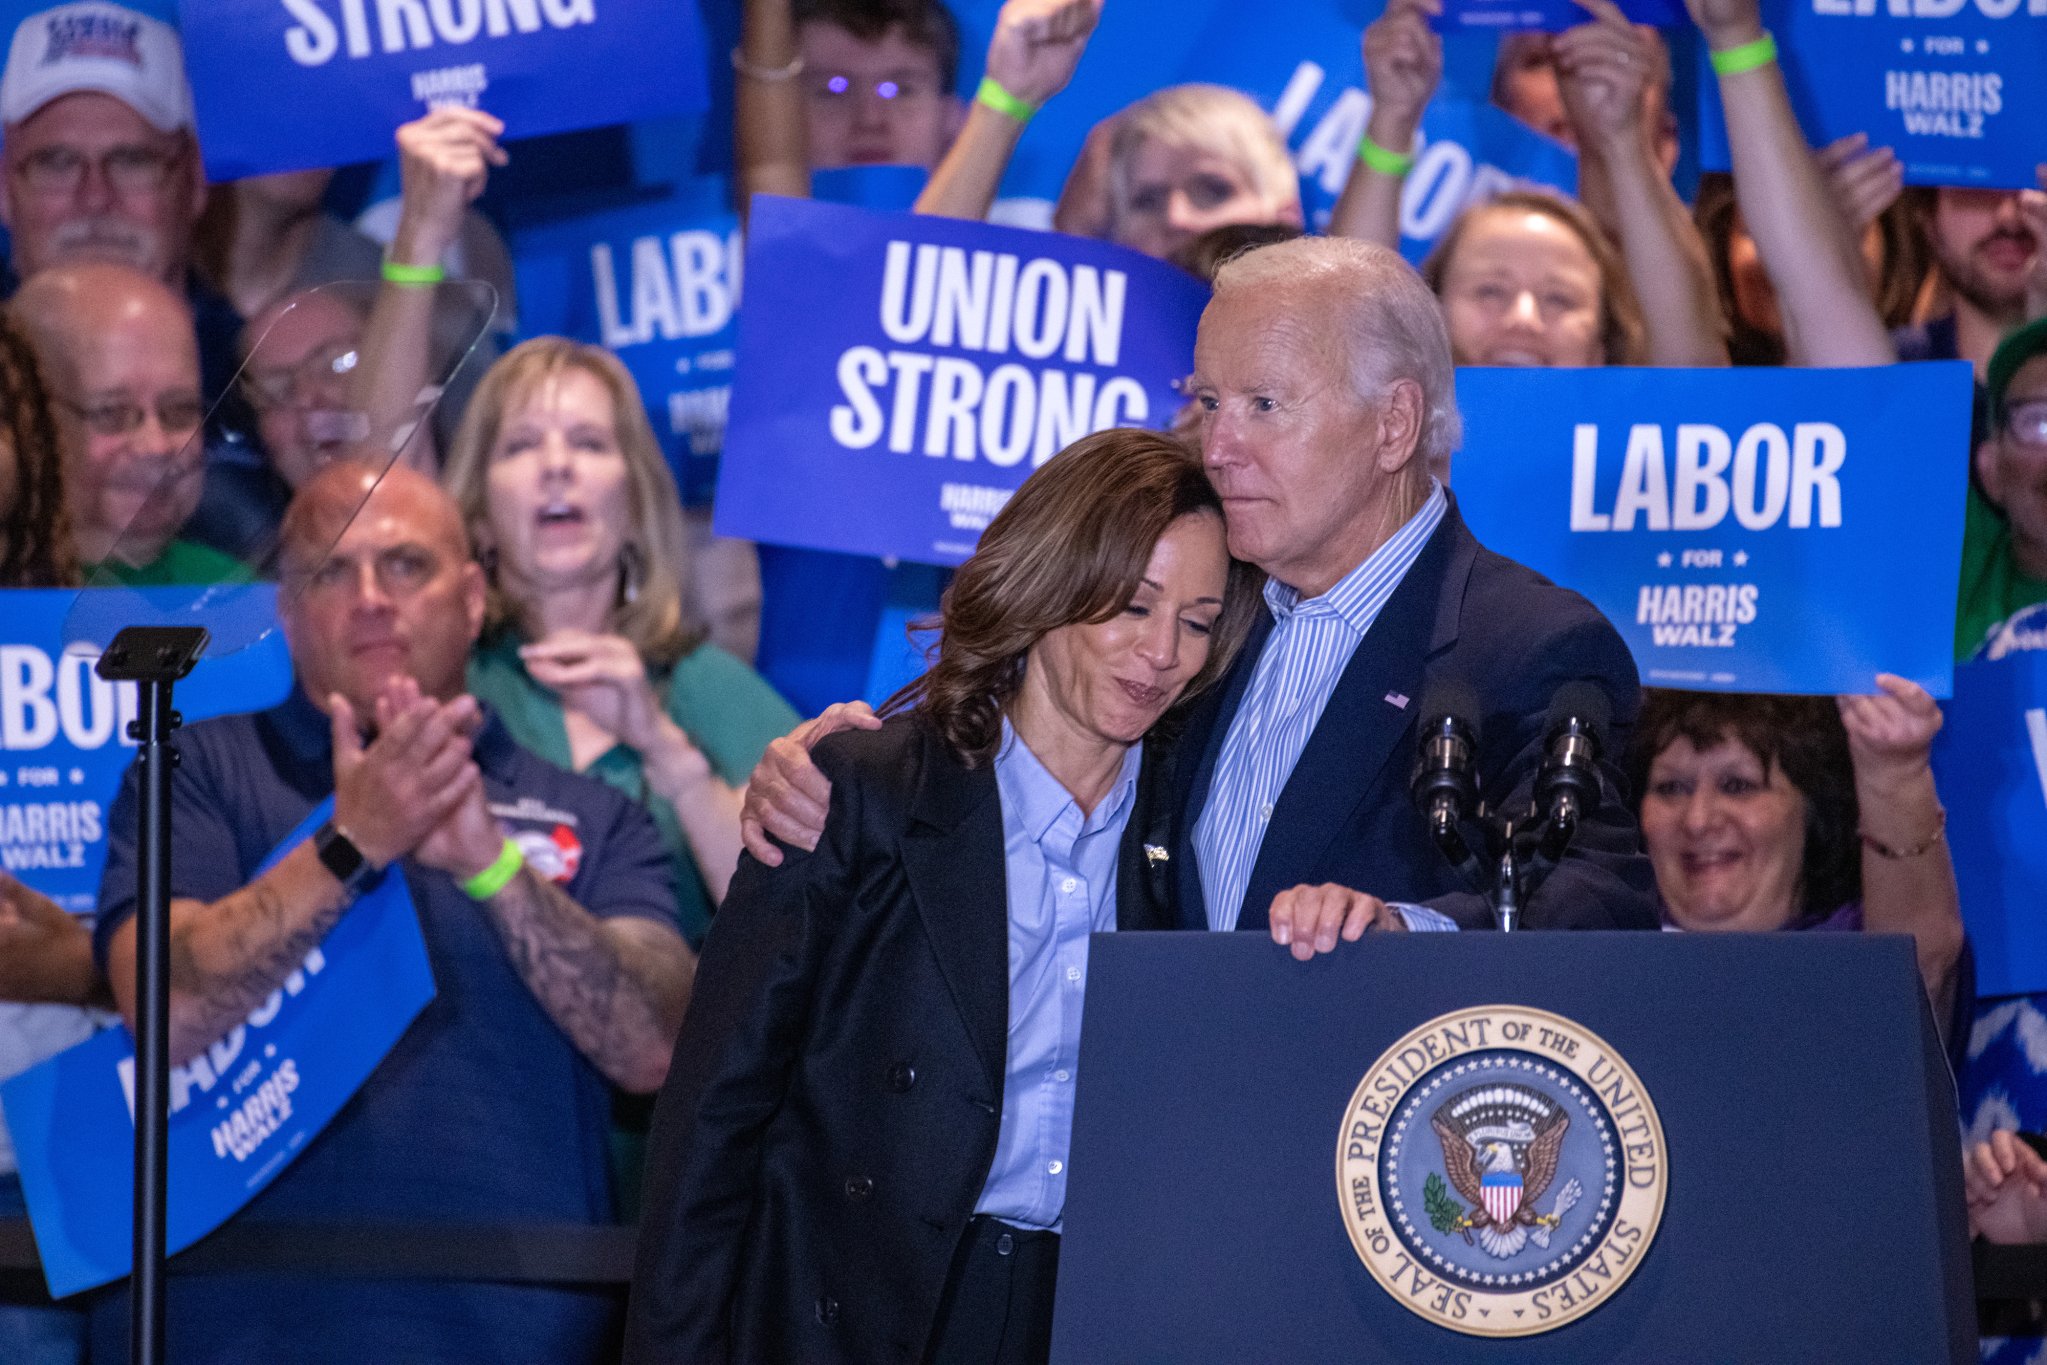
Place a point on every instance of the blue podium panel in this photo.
(1811, 1205)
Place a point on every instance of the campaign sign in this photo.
(64, 740)
(240, 1111)
(899, 375)
(282, 85)
(1746, 530)
(658, 285)
(1957, 88)
(1990, 761)
(1549, 16)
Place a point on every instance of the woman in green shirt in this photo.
(585, 652)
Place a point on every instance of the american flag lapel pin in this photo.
(1155, 855)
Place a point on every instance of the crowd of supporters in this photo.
(194, 380)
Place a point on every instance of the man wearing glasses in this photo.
(122, 366)
(2004, 550)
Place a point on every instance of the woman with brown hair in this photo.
(860, 1152)
(586, 652)
(35, 535)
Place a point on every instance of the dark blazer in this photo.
(833, 1108)
(1344, 815)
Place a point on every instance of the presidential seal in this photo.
(1501, 1171)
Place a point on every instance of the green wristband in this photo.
(414, 274)
(1748, 57)
(1002, 102)
(1384, 160)
(498, 875)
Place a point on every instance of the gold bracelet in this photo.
(1883, 850)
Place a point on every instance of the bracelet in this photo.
(1883, 850)
(494, 878)
(1748, 57)
(1384, 160)
(415, 275)
(1002, 102)
(767, 75)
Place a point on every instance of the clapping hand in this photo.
(1037, 45)
(2006, 1183)
(603, 677)
(1604, 70)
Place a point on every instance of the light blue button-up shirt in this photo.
(1311, 644)
(1061, 872)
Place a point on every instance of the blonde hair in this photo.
(653, 617)
(1209, 118)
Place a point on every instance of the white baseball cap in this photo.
(93, 45)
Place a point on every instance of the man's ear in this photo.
(1989, 474)
(1401, 414)
(475, 596)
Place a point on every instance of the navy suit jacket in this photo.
(1344, 815)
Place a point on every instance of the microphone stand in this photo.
(153, 658)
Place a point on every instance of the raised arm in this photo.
(1403, 67)
(1034, 52)
(228, 954)
(1908, 877)
(1604, 70)
(771, 143)
(1814, 262)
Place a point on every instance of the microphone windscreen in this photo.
(1454, 697)
(1584, 702)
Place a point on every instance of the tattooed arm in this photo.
(617, 987)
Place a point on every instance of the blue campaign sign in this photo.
(284, 85)
(1746, 530)
(1990, 761)
(1550, 16)
(900, 375)
(657, 284)
(64, 731)
(240, 1111)
(1955, 87)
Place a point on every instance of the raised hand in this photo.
(1403, 66)
(1604, 70)
(444, 161)
(1863, 180)
(603, 677)
(1892, 731)
(389, 794)
(787, 796)
(1037, 45)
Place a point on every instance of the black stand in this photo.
(153, 658)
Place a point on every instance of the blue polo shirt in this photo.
(484, 1112)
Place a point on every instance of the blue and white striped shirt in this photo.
(1310, 645)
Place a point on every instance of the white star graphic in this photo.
(1905, 45)
(1982, 44)
(1663, 560)
(1741, 557)
(77, 776)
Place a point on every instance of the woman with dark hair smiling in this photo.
(860, 1152)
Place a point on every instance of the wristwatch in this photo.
(339, 855)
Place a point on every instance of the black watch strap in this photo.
(339, 855)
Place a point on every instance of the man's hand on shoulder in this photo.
(787, 796)
(1312, 919)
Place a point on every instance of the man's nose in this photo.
(2007, 214)
(870, 110)
(95, 191)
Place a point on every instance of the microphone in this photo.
(1567, 786)
(1445, 781)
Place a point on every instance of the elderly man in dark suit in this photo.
(1327, 398)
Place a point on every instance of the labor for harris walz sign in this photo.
(900, 375)
(1958, 88)
(1746, 530)
(289, 84)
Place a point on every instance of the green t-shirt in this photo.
(183, 563)
(1993, 588)
(725, 708)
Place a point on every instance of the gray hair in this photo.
(1393, 322)
(1210, 118)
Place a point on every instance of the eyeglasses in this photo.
(277, 386)
(133, 171)
(178, 414)
(2026, 422)
(835, 89)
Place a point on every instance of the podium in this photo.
(1808, 1176)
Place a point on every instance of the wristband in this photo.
(1384, 160)
(420, 275)
(1002, 102)
(1748, 57)
(498, 875)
